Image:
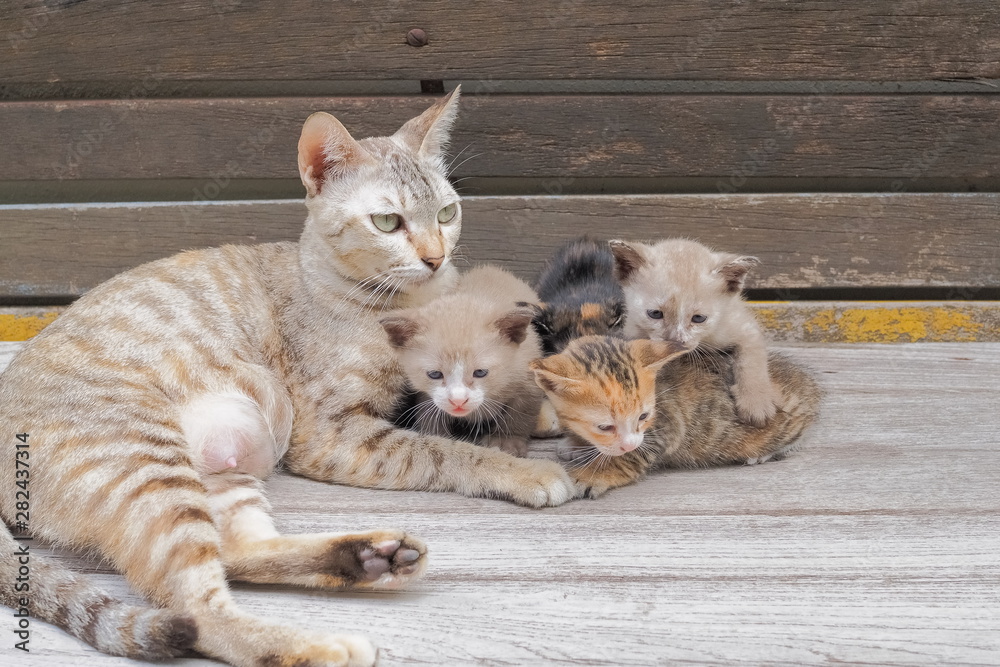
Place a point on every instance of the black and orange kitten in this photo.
(628, 410)
(580, 295)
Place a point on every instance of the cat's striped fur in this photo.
(665, 408)
(285, 340)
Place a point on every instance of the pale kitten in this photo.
(681, 291)
(466, 356)
(156, 403)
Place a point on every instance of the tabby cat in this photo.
(628, 410)
(466, 356)
(157, 402)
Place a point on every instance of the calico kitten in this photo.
(580, 295)
(679, 290)
(629, 410)
(157, 402)
(466, 357)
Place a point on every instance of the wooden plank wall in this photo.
(621, 119)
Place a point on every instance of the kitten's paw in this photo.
(756, 405)
(382, 559)
(541, 483)
(512, 445)
(590, 489)
(547, 425)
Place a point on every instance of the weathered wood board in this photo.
(875, 544)
(726, 137)
(106, 40)
(822, 240)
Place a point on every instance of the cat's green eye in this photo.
(435, 375)
(654, 314)
(698, 319)
(480, 373)
(387, 222)
(607, 428)
(447, 214)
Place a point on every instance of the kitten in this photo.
(157, 402)
(466, 357)
(580, 295)
(681, 291)
(629, 410)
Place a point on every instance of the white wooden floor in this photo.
(878, 543)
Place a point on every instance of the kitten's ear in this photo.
(429, 132)
(628, 260)
(734, 269)
(514, 325)
(550, 378)
(653, 354)
(326, 150)
(401, 329)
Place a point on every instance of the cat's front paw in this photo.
(547, 424)
(756, 404)
(511, 444)
(591, 489)
(540, 483)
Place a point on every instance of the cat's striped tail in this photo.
(56, 595)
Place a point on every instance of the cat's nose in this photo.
(433, 262)
(456, 403)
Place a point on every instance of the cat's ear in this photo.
(514, 325)
(628, 260)
(653, 354)
(401, 329)
(734, 269)
(326, 151)
(551, 377)
(429, 132)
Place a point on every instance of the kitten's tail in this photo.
(38, 588)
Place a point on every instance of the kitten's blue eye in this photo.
(654, 314)
(447, 214)
(480, 373)
(606, 427)
(435, 375)
(386, 222)
(698, 319)
(643, 416)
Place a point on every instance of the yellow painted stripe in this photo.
(881, 322)
(22, 324)
(785, 321)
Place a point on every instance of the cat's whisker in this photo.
(455, 167)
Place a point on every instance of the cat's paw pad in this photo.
(384, 558)
(756, 405)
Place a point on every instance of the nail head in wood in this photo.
(416, 37)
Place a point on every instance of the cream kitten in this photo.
(466, 357)
(681, 291)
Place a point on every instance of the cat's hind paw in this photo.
(382, 559)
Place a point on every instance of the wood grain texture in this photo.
(874, 545)
(726, 137)
(509, 39)
(804, 240)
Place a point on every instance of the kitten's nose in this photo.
(433, 262)
(458, 403)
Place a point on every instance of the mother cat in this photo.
(158, 402)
